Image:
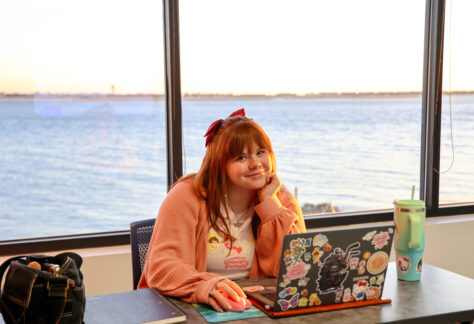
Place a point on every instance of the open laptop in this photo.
(329, 268)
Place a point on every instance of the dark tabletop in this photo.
(440, 296)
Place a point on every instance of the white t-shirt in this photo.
(237, 263)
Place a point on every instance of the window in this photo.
(40, 88)
(81, 122)
(457, 141)
(336, 85)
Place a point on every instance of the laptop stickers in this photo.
(333, 267)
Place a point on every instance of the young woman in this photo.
(225, 222)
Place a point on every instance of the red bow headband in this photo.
(215, 125)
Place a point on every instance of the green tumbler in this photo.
(409, 243)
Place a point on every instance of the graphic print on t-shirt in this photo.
(213, 243)
(226, 256)
(232, 259)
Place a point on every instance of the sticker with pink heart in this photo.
(380, 240)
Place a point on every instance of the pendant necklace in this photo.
(238, 223)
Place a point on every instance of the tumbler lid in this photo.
(409, 204)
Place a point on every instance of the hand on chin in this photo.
(271, 187)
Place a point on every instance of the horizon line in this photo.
(223, 95)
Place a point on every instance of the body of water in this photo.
(91, 166)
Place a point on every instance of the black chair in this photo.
(140, 236)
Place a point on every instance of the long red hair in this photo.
(233, 136)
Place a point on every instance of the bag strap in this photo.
(5, 265)
(76, 257)
(3, 268)
(56, 300)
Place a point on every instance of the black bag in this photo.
(54, 294)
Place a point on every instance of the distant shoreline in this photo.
(217, 97)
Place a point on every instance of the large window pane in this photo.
(336, 85)
(81, 127)
(457, 137)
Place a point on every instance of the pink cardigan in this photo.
(176, 259)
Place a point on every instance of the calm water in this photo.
(74, 167)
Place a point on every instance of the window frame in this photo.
(430, 142)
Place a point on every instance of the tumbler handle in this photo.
(415, 233)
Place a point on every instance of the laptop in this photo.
(336, 267)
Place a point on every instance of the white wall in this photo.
(107, 270)
(449, 245)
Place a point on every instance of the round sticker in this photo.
(377, 262)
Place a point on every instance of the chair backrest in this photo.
(140, 236)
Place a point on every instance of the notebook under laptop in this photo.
(329, 268)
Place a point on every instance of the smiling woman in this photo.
(233, 214)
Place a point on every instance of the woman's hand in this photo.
(272, 186)
(218, 301)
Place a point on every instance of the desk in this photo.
(439, 297)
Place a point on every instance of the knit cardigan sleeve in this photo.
(279, 215)
(172, 265)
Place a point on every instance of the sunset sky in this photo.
(245, 46)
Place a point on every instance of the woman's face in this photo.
(248, 170)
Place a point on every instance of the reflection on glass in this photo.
(336, 85)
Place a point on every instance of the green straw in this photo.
(412, 192)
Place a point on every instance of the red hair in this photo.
(234, 135)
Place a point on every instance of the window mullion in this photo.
(431, 110)
(172, 91)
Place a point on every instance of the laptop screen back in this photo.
(330, 267)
